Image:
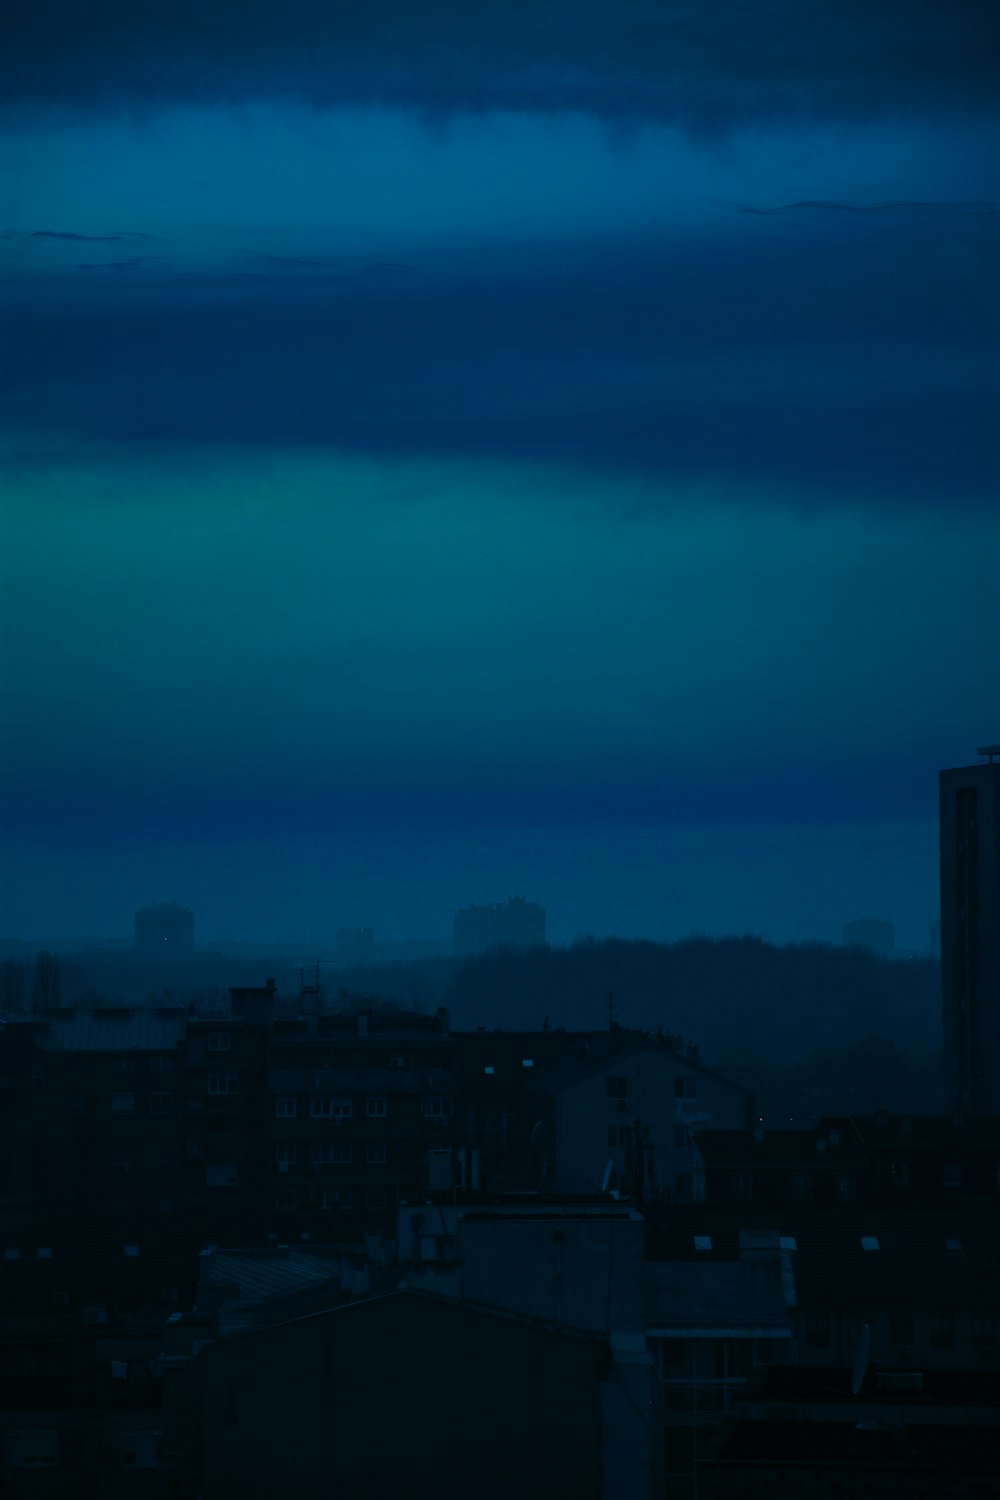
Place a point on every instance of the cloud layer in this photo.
(704, 64)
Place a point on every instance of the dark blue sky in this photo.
(455, 451)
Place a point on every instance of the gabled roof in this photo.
(571, 1070)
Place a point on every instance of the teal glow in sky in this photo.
(507, 470)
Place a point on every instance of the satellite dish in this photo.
(607, 1175)
(862, 1354)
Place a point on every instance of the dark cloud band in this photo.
(689, 60)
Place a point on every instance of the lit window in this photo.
(703, 1242)
(787, 1242)
(122, 1104)
(527, 1062)
(131, 1251)
(869, 1242)
(489, 1068)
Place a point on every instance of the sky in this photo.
(453, 452)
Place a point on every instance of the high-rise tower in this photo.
(970, 934)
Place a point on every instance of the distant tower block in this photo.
(518, 924)
(868, 932)
(970, 934)
(356, 945)
(164, 930)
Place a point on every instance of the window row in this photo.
(159, 1104)
(330, 1153)
(939, 1327)
(158, 1064)
(329, 1198)
(341, 1107)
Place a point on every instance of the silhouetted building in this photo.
(970, 934)
(518, 924)
(871, 933)
(164, 930)
(355, 945)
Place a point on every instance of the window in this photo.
(942, 1331)
(869, 1242)
(984, 1330)
(44, 1252)
(376, 1107)
(617, 1136)
(703, 1242)
(161, 1064)
(121, 1160)
(286, 1107)
(331, 1153)
(130, 1251)
(161, 1104)
(217, 1174)
(802, 1187)
(375, 1198)
(335, 1198)
(223, 1083)
(333, 1108)
(741, 1186)
(489, 1068)
(375, 1154)
(900, 1329)
(686, 1087)
(285, 1153)
(12, 1253)
(847, 1187)
(787, 1242)
(680, 1136)
(527, 1062)
(122, 1065)
(618, 1088)
(122, 1104)
(219, 1041)
(954, 1247)
(952, 1174)
(856, 1323)
(817, 1330)
(438, 1106)
(683, 1186)
(834, 1137)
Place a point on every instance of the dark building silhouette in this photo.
(871, 933)
(518, 924)
(970, 934)
(164, 930)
